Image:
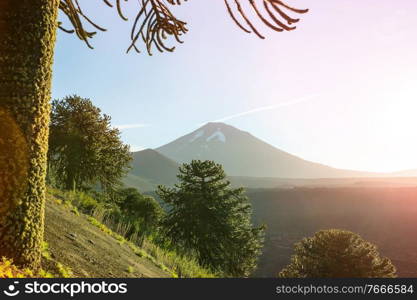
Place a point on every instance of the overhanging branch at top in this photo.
(155, 23)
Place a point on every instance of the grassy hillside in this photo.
(74, 242)
(79, 245)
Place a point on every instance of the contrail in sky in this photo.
(269, 107)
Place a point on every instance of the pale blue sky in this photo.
(349, 72)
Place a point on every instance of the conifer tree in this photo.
(84, 149)
(27, 40)
(337, 254)
(209, 218)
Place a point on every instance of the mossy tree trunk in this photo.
(27, 39)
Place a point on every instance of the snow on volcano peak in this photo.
(217, 135)
(197, 135)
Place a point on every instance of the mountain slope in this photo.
(242, 154)
(150, 168)
(88, 251)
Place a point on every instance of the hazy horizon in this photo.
(341, 90)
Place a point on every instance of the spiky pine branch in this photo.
(274, 9)
(155, 23)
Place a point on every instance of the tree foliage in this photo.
(138, 206)
(83, 147)
(155, 22)
(139, 214)
(337, 254)
(211, 219)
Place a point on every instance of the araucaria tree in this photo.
(211, 220)
(84, 149)
(337, 254)
(27, 39)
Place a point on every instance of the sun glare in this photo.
(393, 125)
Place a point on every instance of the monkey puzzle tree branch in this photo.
(277, 11)
(154, 23)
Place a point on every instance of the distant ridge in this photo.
(249, 162)
(242, 154)
(150, 168)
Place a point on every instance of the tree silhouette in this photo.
(27, 40)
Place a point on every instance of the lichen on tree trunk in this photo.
(27, 39)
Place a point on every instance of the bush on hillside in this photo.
(337, 254)
(141, 214)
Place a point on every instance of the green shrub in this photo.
(337, 254)
(83, 201)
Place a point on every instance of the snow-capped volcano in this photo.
(242, 154)
(217, 135)
(199, 144)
